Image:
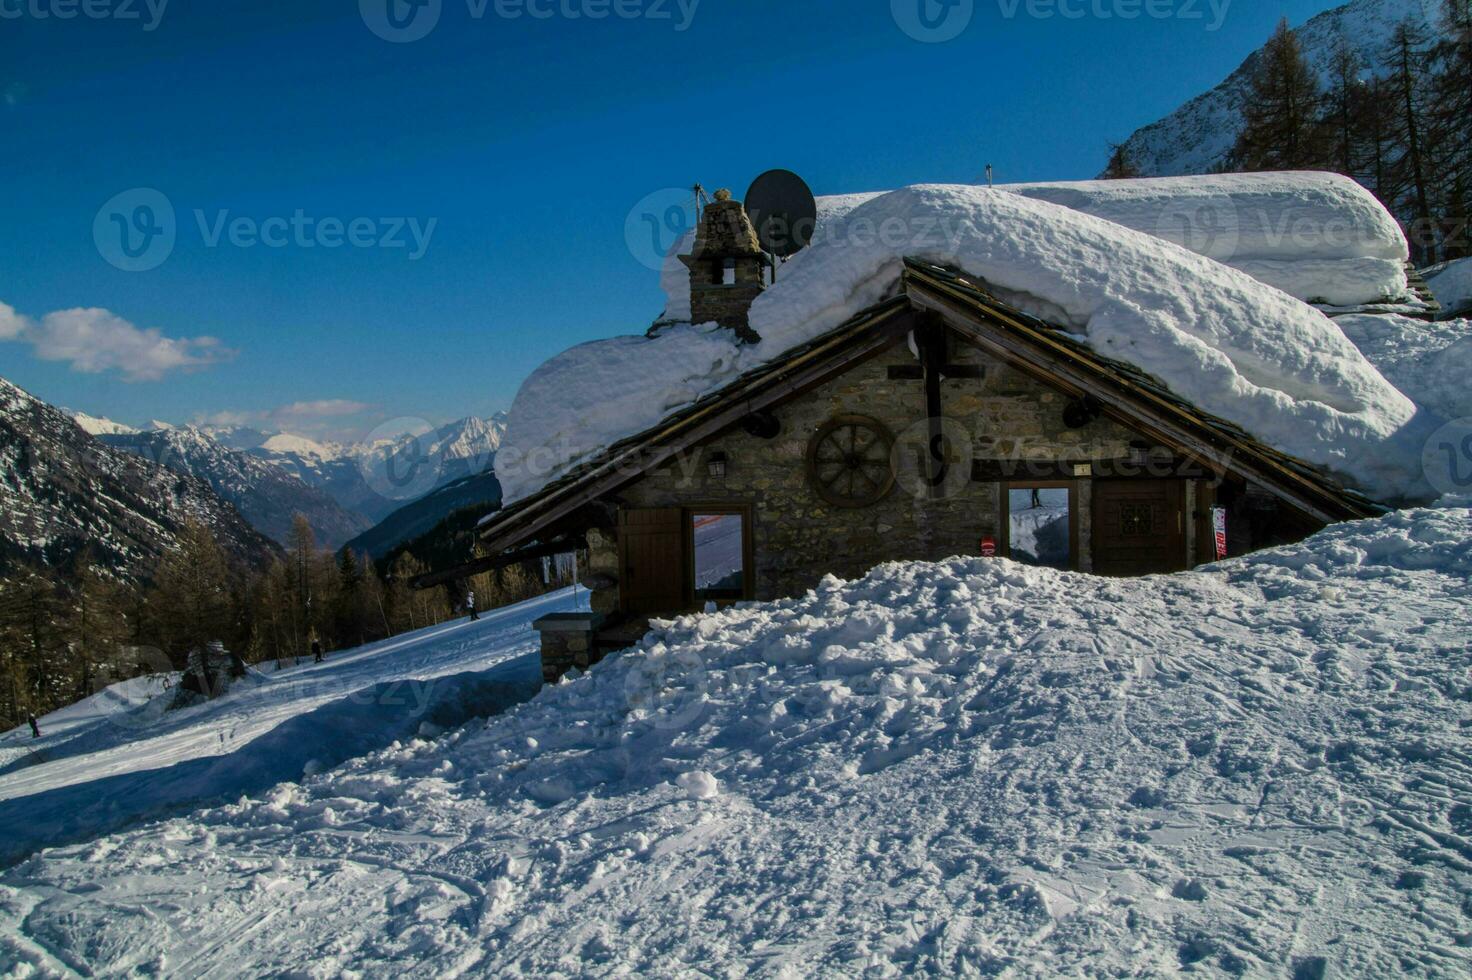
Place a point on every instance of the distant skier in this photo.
(316, 650)
(35, 728)
(470, 604)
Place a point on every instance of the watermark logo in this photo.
(1208, 226)
(148, 13)
(401, 21)
(933, 21)
(1447, 458)
(668, 689)
(407, 465)
(136, 230)
(657, 224)
(404, 21)
(932, 459)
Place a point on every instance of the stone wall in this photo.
(798, 537)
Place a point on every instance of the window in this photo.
(1041, 524)
(728, 273)
(718, 555)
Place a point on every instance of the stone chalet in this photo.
(940, 422)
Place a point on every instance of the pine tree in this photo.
(1341, 108)
(1281, 117)
(96, 627)
(192, 594)
(1409, 64)
(1452, 125)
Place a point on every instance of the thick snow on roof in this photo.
(1318, 236)
(1215, 336)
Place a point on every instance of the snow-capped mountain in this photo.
(1196, 138)
(61, 491)
(94, 426)
(376, 478)
(265, 495)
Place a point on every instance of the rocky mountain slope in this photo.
(1196, 138)
(266, 496)
(61, 491)
(428, 516)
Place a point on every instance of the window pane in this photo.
(1041, 526)
(719, 555)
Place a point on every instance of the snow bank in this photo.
(963, 768)
(1217, 337)
(1430, 362)
(1451, 283)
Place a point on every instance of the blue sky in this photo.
(526, 142)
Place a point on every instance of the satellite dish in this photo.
(783, 211)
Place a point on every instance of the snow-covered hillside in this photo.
(1196, 138)
(119, 755)
(1257, 768)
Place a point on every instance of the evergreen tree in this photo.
(1342, 105)
(1452, 124)
(1406, 55)
(1281, 130)
(192, 597)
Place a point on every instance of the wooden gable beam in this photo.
(1061, 372)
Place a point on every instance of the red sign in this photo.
(988, 547)
(1219, 525)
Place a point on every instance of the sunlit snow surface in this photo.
(1260, 767)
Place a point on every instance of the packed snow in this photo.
(974, 766)
(1430, 362)
(1215, 336)
(1451, 284)
(121, 755)
(1320, 237)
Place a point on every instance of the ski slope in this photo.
(1260, 768)
(120, 756)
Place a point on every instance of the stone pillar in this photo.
(567, 642)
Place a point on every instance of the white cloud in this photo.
(327, 408)
(93, 341)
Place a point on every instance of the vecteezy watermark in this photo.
(148, 13)
(1209, 225)
(936, 21)
(405, 21)
(1447, 458)
(932, 21)
(137, 231)
(407, 463)
(662, 221)
(658, 223)
(1211, 13)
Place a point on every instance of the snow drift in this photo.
(1215, 336)
(1257, 768)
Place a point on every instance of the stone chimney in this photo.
(725, 267)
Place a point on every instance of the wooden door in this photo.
(1139, 527)
(651, 546)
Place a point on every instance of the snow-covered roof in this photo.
(1216, 337)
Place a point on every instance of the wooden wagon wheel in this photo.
(849, 461)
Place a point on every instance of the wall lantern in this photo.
(715, 465)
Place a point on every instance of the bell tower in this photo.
(726, 267)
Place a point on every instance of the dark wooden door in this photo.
(1139, 527)
(651, 545)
